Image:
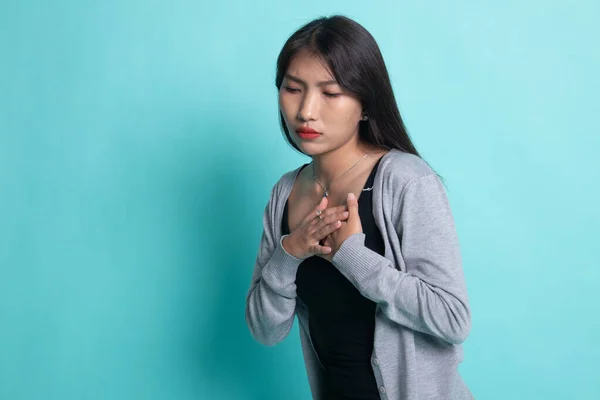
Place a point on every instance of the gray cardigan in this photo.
(422, 313)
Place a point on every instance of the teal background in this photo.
(139, 142)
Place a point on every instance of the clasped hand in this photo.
(323, 231)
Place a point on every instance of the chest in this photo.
(301, 204)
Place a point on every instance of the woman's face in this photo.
(309, 97)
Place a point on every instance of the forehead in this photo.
(309, 67)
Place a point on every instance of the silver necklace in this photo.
(326, 189)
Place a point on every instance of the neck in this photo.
(329, 166)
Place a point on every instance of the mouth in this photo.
(307, 133)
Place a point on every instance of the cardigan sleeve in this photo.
(271, 298)
(430, 296)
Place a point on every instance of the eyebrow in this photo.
(324, 83)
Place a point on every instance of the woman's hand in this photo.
(306, 240)
(353, 225)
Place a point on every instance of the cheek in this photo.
(285, 105)
(345, 112)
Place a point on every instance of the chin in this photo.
(311, 149)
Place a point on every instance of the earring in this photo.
(365, 117)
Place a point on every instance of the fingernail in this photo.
(351, 196)
(346, 213)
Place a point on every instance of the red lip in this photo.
(307, 130)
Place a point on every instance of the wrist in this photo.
(288, 247)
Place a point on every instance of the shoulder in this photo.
(410, 187)
(400, 168)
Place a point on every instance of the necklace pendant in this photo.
(326, 193)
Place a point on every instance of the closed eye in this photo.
(332, 94)
(291, 89)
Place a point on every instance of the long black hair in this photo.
(355, 61)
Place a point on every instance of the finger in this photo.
(318, 223)
(317, 249)
(335, 210)
(341, 216)
(326, 230)
(319, 208)
(323, 203)
(352, 205)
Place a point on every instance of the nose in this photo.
(308, 108)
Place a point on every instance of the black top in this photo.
(341, 320)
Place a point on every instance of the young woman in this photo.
(360, 243)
